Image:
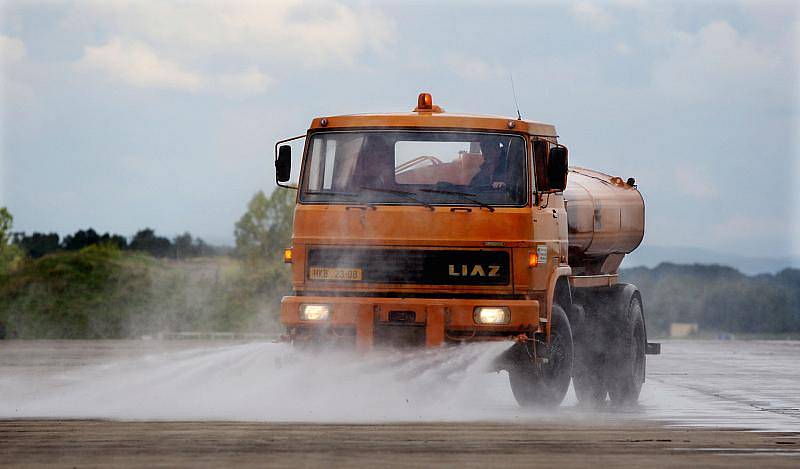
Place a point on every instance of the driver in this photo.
(493, 169)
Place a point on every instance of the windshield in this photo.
(456, 168)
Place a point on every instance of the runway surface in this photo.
(192, 403)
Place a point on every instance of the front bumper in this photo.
(365, 320)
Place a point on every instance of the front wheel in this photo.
(544, 385)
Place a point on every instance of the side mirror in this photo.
(557, 168)
(283, 163)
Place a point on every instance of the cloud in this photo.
(695, 182)
(474, 68)
(305, 33)
(718, 61)
(629, 4)
(13, 87)
(622, 48)
(192, 46)
(592, 15)
(751, 228)
(250, 81)
(137, 64)
(11, 49)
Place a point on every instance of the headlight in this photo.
(314, 312)
(491, 315)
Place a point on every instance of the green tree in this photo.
(37, 245)
(261, 235)
(266, 228)
(184, 246)
(11, 256)
(80, 240)
(6, 222)
(147, 241)
(718, 298)
(118, 241)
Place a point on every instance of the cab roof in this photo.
(428, 115)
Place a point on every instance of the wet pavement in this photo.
(248, 402)
(744, 384)
(741, 384)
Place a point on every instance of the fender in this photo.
(562, 271)
(623, 293)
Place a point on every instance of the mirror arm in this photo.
(278, 144)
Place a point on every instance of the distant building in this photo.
(682, 329)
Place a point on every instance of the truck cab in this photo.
(427, 228)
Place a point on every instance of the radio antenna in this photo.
(514, 92)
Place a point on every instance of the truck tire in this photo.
(628, 372)
(592, 340)
(545, 385)
(590, 372)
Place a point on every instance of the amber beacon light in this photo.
(425, 101)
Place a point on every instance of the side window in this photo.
(540, 164)
(316, 165)
(330, 156)
(322, 164)
(347, 153)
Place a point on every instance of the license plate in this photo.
(334, 273)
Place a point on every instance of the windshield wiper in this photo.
(346, 194)
(463, 195)
(406, 194)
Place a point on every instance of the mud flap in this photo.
(652, 348)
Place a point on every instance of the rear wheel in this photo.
(544, 385)
(629, 354)
(590, 373)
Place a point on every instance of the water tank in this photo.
(606, 220)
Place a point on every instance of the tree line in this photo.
(261, 234)
(36, 245)
(718, 298)
(89, 285)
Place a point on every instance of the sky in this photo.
(122, 115)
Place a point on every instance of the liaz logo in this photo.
(477, 270)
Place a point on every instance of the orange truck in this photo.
(427, 228)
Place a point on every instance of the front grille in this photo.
(415, 266)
